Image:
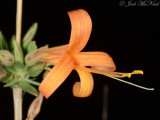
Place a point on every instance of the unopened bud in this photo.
(6, 58)
(18, 53)
(33, 57)
(31, 47)
(29, 35)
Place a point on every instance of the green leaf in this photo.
(3, 43)
(35, 70)
(11, 83)
(29, 36)
(28, 88)
(32, 82)
(18, 53)
(31, 47)
(35, 73)
(11, 69)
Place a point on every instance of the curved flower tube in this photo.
(69, 57)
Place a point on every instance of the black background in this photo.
(129, 34)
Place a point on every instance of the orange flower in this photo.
(68, 57)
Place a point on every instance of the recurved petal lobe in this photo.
(56, 76)
(81, 26)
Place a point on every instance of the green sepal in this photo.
(11, 69)
(29, 36)
(32, 58)
(31, 47)
(3, 43)
(13, 38)
(28, 88)
(6, 58)
(18, 52)
(11, 83)
(30, 81)
(35, 70)
(20, 68)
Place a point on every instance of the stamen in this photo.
(127, 75)
(130, 83)
(134, 72)
(121, 74)
(138, 72)
(114, 75)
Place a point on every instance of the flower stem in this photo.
(19, 21)
(17, 100)
(17, 92)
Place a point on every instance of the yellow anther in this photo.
(127, 75)
(138, 72)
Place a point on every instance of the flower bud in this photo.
(31, 47)
(33, 57)
(29, 36)
(6, 58)
(18, 53)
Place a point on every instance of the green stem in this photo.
(17, 100)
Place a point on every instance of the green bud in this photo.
(13, 38)
(3, 43)
(6, 58)
(18, 52)
(31, 47)
(29, 36)
(33, 57)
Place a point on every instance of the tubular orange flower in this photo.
(68, 57)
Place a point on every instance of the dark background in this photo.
(129, 34)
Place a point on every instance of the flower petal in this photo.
(81, 29)
(97, 60)
(54, 54)
(85, 87)
(56, 76)
(58, 50)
